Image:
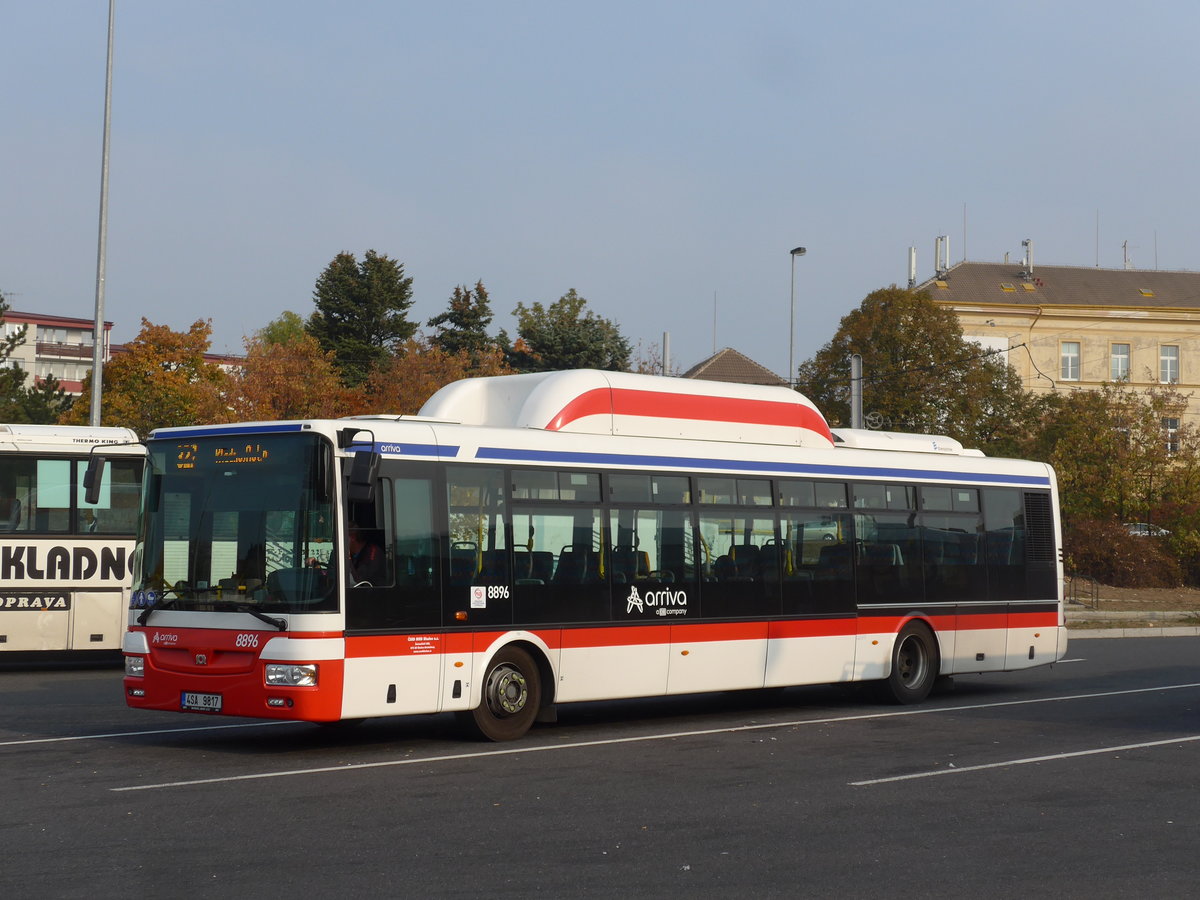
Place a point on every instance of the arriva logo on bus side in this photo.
(659, 601)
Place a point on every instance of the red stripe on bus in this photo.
(662, 405)
(800, 628)
(1033, 620)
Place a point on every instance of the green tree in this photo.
(565, 335)
(161, 379)
(44, 402)
(288, 328)
(919, 375)
(360, 315)
(462, 328)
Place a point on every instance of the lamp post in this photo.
(102, 248)
(791, 373)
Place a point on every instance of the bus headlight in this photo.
(135, 666)
(291, 675)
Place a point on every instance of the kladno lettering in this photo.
(18, 562)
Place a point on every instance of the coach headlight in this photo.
(135, 666)
(291, 675)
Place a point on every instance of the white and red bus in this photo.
(569, 536)
(64, 562)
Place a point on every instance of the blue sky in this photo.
(651, 155)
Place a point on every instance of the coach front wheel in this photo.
(914, 665)
(512, 695)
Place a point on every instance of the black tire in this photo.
(915, 665)
(512, 695)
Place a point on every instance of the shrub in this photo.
(1106, 551)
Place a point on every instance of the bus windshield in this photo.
(241, 522)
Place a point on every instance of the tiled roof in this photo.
(975, 282)
(729, 365)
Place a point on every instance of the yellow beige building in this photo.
(1067, 327)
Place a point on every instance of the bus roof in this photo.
(589, 401)
(21, 436)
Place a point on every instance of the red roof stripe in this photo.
(663, 405)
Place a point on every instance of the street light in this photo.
(791, 374)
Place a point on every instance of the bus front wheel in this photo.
(512, 695)
(914, 665)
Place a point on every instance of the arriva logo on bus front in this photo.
(657, 601)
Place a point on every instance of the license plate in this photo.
(202, 702)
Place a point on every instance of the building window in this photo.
(1168, 364)
(1119, 363)
(1069, 361)
(1171, 432)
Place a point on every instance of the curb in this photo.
(1141, 631)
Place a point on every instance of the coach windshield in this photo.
(240, 522)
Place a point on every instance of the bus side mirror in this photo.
(323, 469)
(363, 473)
(93, 476)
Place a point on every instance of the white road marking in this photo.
(509, 751)
(120, 734)
(958, 770)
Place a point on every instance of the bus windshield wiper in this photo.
(280, 624)
(144, 616)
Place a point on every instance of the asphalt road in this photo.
(1073, 781)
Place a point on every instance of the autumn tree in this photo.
(463, 326)
(402, 386)
(647, 359)
(565, 335)
(919, 374)
(290, 378)
(1122, 454)
(161, 379)
(361, 312)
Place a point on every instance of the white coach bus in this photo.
(533, 540)
(64, 562)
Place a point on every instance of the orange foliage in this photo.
(404, 383)
(292, 380)
(160, 380)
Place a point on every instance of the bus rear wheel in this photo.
(914, 665)
(512, 695)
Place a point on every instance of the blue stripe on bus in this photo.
(224, 431)
(601, 459)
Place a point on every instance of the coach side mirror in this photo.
(93, 476)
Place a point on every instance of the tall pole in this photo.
(102, 249)
(791, 372)
(856, 413)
